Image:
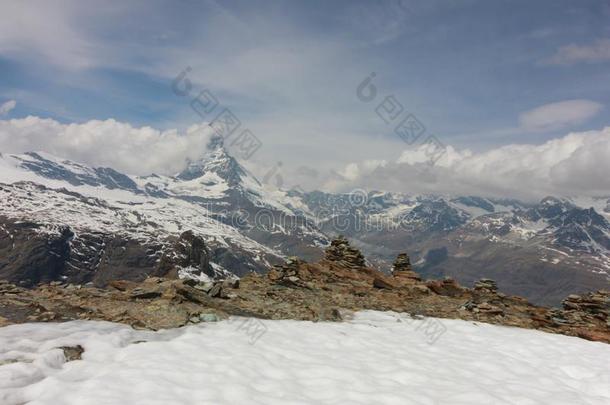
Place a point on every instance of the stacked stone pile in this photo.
(402, 269)
(343, 254)
(596, 304)
(486, 285)
(288, 273)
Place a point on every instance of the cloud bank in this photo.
(132, 150)
(576, 164)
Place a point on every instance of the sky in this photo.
(484, 78)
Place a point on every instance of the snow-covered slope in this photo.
(214, 197)
(376, 358)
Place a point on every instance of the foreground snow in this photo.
(377, 358)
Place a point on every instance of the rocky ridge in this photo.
(328, 290)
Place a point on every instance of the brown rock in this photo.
(274, 274)
(421, 289)
(4, 322)
(384, 283)
(407, 277)
(122, 285)
(487, 308)
(146, 293)
(447, 287)
(595, 336)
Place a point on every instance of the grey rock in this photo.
(72, 353)
(208, 318)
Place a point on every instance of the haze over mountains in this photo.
(62, 220)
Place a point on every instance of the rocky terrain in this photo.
(328, 290)
(542, 251)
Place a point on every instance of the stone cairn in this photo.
(487, 289)
(486, 285)
(402, 269)
(595, 304)
(287, 273)
(343, 254)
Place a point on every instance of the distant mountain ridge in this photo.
(539, 250)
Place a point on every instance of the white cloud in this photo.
(7, 107)
(559, 115)
(599, 51)
(577, 164)
(44, 30)
(125, 148)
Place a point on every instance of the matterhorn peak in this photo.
(216, 142)
(215, 159)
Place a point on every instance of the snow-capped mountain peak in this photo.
(216, 160)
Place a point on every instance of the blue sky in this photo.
(469, 70)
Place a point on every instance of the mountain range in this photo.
(65, 221)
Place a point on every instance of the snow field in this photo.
(375, 358)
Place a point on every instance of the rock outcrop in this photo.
(328, 290)
(31, 254)
(28, 258)
(447, 287)
(189, 252)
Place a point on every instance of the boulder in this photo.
(384, 283)
(448, 287)
(72, 353)
(217, 291)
